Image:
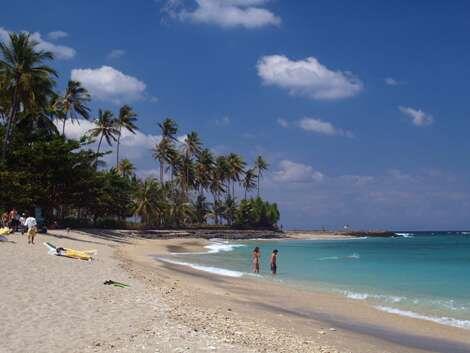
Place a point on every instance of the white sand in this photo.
(52, 304)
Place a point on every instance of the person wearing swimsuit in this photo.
(274, 262)
(256, 259)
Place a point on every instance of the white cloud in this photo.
(136, 146)
(417, 116)
(292, 172)
(322, 127)
(283, 122)
(107, 83)
(391, 81)
(225, 13)
(307, 78)
(54, 35)
(224, 121)
(59, 51)
(115, 54)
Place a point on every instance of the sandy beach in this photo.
(55, 304)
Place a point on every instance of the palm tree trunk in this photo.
(63, 127)
(245, 193)
(161, 172)
(257, 180)
(10, 122)
(99, 146)
(117, 150)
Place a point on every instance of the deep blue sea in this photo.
(421, 274)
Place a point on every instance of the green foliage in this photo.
(41, 167)
(257, 213)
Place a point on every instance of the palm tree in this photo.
(249, 180)
(236, 167)
(105, 127)
(73, 103)
(191, 147)
(201, 209)
(169, 128)
(25, 78)
(164, 149)
(126, 120)
(145, 200)
(160, 153)
(204, 169)
(260, 165)
(126, 168)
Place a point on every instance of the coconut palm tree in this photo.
(260, 165)
(169, 128)
(145, 200)
(125, 168)
(105, 127)
(204, 169)
(126, 120)
(72, 105)
(249, 180)
(236, 167)
(191, 148)
(25, 79)
(160, 153)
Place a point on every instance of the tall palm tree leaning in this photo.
(126, 120)
(260, 165)
(27, 80)
(105, 127)
(73, 103)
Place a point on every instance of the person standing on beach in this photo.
(273, 261)
(256, 259)
(31, 224)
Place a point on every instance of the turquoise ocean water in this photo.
(423, 274)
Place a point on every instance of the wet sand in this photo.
(317, 318)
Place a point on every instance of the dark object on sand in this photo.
(115, 284)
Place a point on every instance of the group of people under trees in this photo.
(16, 222)
(256, 260)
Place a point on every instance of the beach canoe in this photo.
(72, 253)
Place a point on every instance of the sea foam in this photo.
(449, 321)
(210, 269)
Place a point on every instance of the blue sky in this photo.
(361, 108)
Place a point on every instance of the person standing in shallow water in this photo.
(274, 261)
(256, 259)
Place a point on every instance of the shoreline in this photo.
(61, 305)
(352, 320)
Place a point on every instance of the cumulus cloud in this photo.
(307, 77)
(60, 51)
(115, 54)
(322, 127)
(292, 172)
(225, 13)
(107, 83)
(417, 116)
(54, 35)
(136, 146)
